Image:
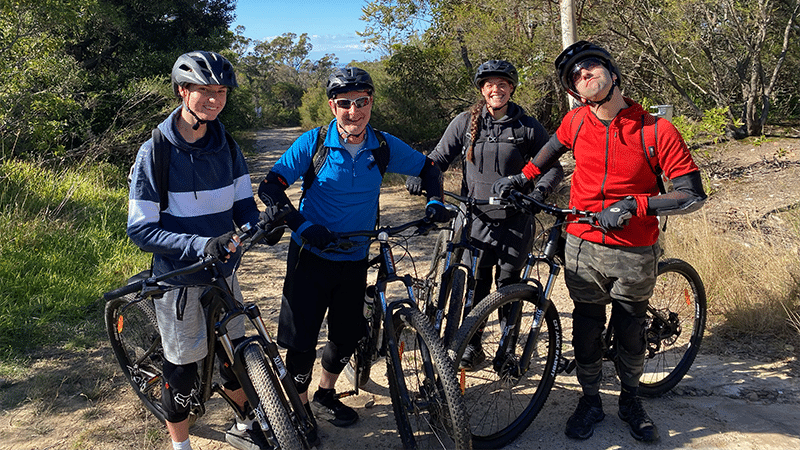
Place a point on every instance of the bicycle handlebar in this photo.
(532, 206)
(253, 233)
(344, 241)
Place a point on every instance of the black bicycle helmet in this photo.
(348, 79)
(201, 67)
(496, 68)
(578, 52)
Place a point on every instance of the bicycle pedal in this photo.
(345, 394)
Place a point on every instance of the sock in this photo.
(322, 392)
(185, 445)
(593, 400)
(627, 393)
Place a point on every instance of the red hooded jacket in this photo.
(610, 164)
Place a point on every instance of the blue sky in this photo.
(331, 25)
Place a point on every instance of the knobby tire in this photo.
(501, 404)
(437, 416)
(136, 342)
(270, 398)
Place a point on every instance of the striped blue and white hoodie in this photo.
(207, 195)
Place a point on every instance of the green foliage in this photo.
(69, 66)
(67, 245)
(711, 128)
(315, 111)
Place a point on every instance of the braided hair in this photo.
(475, 115)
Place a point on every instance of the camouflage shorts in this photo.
(596, 273)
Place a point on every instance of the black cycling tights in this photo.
(300, 364)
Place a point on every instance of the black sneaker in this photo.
(642, 426)
(328, 407)
(580, 424)
(250, 439)
(473, 356)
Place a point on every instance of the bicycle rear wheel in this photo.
(677, 321)
(428, 406)
(136, 342)
(501, 401)
(270, 399)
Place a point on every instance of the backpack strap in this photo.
(161, 155)
(650, 147)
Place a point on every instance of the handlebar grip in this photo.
(124, 290)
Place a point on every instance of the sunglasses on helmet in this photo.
(346, 103)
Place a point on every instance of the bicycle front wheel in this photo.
(270, 399)
(136, 342)
(677, 321)
(503, 394)
(426, 400)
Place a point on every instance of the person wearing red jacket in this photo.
(615, 263)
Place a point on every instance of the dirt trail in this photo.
(79, 400)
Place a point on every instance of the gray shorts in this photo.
(184, 339)
(596, 273)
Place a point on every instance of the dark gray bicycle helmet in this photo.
(201, 67)
(496, 68)
(578, 52)
(348, 79)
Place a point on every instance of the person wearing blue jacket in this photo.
(342, 197)
(208, 192)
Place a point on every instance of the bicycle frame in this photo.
(221, 308)
(387, 274)
(548, 256)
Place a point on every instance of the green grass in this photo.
(64, 245)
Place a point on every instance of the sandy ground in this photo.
(79, 400)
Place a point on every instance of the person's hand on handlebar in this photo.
(436, 211)
(503, 185)
(617, 215)
(318, 236)
(222, 246)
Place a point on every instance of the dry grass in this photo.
(752, 280)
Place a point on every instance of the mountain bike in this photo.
(256, 363)
(522, 335)
(424, 390)
(446, 293)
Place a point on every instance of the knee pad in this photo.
(630, 321)
(180, 384)
(335, 357)
(300, 364)
(588, 322)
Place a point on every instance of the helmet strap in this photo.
(348, 135)
(199, 120)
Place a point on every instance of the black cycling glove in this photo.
(218, 246)
(318, 236)
(617, 215)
